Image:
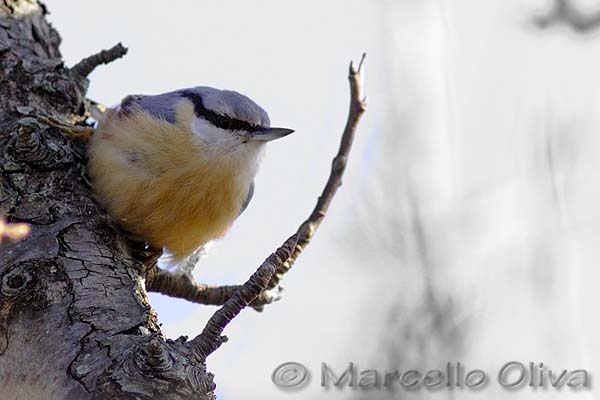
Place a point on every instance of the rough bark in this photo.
(75, 322)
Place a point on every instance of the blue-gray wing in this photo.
(248, 197)
(160, 106)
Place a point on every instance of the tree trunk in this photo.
(75, 322)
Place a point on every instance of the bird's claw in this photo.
(73, 131)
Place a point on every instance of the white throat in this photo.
(231, 146)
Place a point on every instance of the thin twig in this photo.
(306, 231)
(210, 339)
(87, 65)
(182, 287)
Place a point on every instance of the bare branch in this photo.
(307, 229)
(87, 65)
(182, 287)
(210, 339)
(564, 11)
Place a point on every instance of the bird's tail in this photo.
(183, 266)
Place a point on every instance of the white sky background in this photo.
(477, 98)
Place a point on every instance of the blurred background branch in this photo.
(568, 13)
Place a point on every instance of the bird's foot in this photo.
(73, 131)
(144, 253)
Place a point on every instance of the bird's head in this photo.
(225, 119)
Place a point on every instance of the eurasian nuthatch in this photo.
(176, 169)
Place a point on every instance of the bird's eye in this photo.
(224, 121)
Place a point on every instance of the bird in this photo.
(175, 170)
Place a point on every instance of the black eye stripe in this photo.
(220, 121)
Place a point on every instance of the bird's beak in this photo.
(268, 134)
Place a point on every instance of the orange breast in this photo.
(152, 179)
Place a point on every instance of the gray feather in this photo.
(160, 106)
(223, 102)
(232, 104)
